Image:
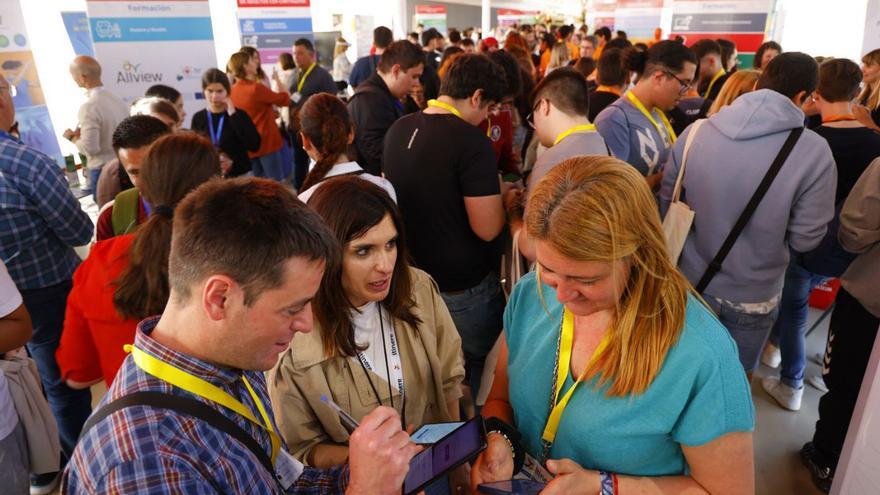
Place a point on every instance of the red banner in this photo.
(745, 43)
(430, 9)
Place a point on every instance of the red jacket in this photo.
(501, 136)
(94, 333)
(257, 101)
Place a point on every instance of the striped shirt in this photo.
(140, 449)
(40, 219)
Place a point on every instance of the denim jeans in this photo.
(748, 330)
(94, 176)
(268, 166)
(477, 313)
(70, 407)
(789, 332)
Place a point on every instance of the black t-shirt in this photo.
(434, 161)
(854, 148)
(238, 136)
(599, 100)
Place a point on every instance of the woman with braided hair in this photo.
(327, 133)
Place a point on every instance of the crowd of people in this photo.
(479, 227)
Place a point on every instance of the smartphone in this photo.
(459, 446)
(432, 433)
(519, 487)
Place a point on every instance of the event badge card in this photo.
(533, 470)
(287, 469)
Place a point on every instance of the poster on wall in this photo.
(510, 17)
(432, 16)
(77, 26)
(140, 44)
(638, 18)
(742, 21)
(271, 26)
(600, 13)
(20, 71)
(871, 40)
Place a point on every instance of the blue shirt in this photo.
(140, 449)
(40, 219)
(632, 137)
(363, 68)
(700, 393)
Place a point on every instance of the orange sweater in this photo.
(258, 102)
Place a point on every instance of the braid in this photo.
(325, 121)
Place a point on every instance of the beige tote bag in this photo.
(679, 217)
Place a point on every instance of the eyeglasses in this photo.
(530, 118)
(685, 85)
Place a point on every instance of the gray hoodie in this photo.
(728, 159)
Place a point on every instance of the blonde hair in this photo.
(559, 56)
(870, 95)
(596, 208)
(739, 83)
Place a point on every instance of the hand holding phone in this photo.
(494, 464)
(379, 454)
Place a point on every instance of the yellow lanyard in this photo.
(577, 128)
(712, 82)
(302, 80)
(635, 101)
(565, 348)
(488, 127)
(195, 385)
(445, 106)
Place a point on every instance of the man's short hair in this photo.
(305, 42)
(512, 72)
(401, 53)
(470, 72)
(468, 42)
(382, 37)
(565, 31)
(706, 47)
(611, 70)
(263, 227)
(790, 73)
(603, 32)
(618, 43)
(585, 66)
(454, 36)
(839, 79)
(138, 131)
(163, 91)
(430, 35)
(566, 89)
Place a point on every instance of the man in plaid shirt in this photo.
(40, 222)
(246, 259)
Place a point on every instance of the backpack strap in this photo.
(125, 210)
(715, 265)
(188, 407)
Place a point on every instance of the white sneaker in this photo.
(771, 356)
(787, 397)
(818, 383)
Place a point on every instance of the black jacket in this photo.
(238, 136)
(373, 109)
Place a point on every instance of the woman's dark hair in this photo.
(286, 61)
(333, 201)
(253, 52)
(450, 51)
(325, 120)
(839, 79)
(511, 72)
(174, 165)
(215, 76)
(604, 33)
(727, 49)
(469, 72)
(664, 55)
(611, 70)
(163, 91)
(767, 45)
(619, 43)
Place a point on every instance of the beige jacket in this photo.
(860, 233)
(432, 372)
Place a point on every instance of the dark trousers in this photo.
(70, 407)
(851, 337)
(300, 164)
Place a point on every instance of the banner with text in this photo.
(600, 13)
(20, 71)
(742, 21)
(432, 16)
(638, 18)
(271, 26)
(510, 17)
(143, 43)
(77, 25)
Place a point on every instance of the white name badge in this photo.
(533, 470)
(296, 97)
(287, 469)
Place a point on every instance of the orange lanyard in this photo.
(609, 89)
(839, 118)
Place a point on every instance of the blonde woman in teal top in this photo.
(613, 372)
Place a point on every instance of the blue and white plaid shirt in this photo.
(40, 219)
(140, 449)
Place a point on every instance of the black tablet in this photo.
(456, 448)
